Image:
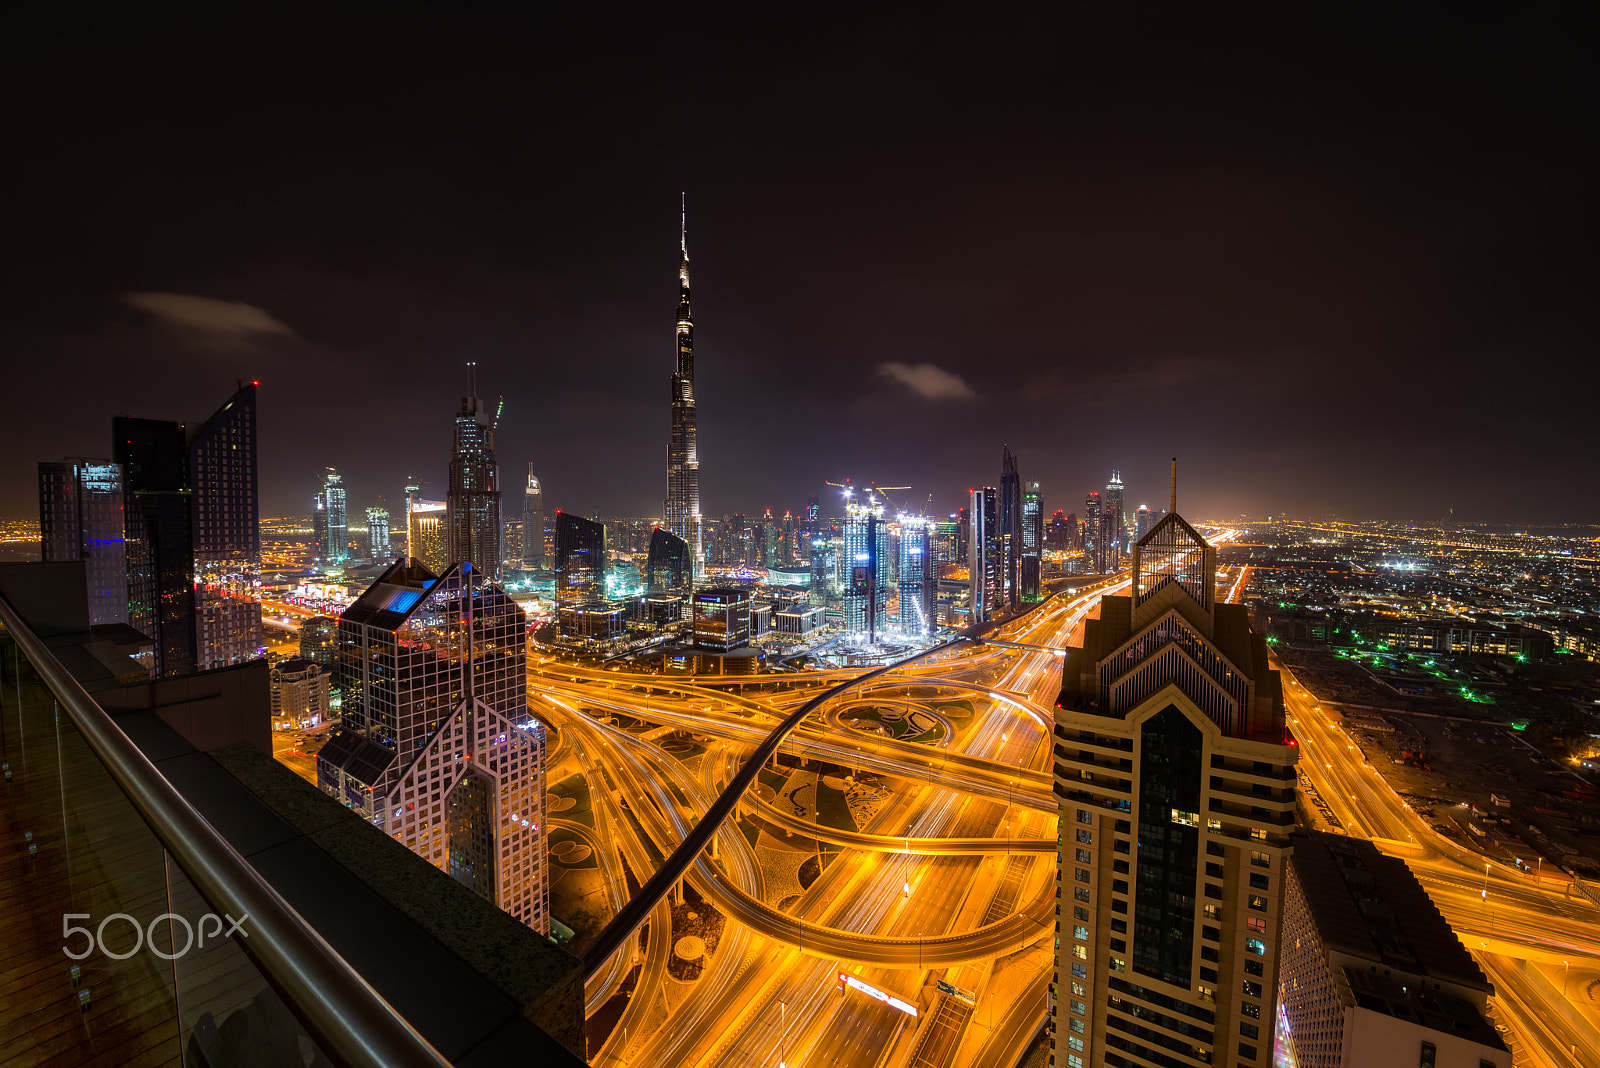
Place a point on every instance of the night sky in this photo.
(1340, 262)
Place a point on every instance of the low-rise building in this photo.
(721, 618)
(300, 694)
(800, 619)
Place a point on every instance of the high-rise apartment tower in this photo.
(226, 527)
(1176, 775)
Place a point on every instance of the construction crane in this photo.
(845, 485)
(882, 491)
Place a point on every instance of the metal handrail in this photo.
(351, 1023)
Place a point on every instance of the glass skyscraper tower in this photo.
(80, 518)
(193, 538)
(1010, 529)
(437, 748)
(866, 568)
(330, 522)
(683, 459)
(985, 554)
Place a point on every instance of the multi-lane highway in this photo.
(1516, 926)
(951, 874)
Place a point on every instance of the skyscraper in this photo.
(866, 565)
(472, 502)
(683, 458)
(426, 536)
(1176, 776)
(472, 526)
(1030, 567)
(378, 550)
(1010, 530)
(1143, 520)
(533, 524)
(918, 582)
(319, 530)
(580, 559)
(80, 518)
(1093, 533)
(331, 520)
(985, 554)
(1117, 513)
(160, 550)
(667, 568)
(226, 535)
(437, 747)
(413, 491)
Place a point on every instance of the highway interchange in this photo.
(910, 898)
(952, 878)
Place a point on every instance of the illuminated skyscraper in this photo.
(1030, 566)
(1094, 533)
(985, 554)
(918, 579)
(683, 458)
(437, 748)
(80, 518)
(1010, 531)
(330, 519)
(472, 503)
(1143, 519)
(378, 550)
(866, 565)
(1176, 776)
(786, 552)
(1117, 513)
(426, 536)
(413, 492)
(533, 524)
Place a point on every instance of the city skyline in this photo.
(907, 722)
(1137, 225)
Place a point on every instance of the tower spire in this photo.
(683, 240)
(1173, 505)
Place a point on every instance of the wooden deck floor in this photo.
(71, 843)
